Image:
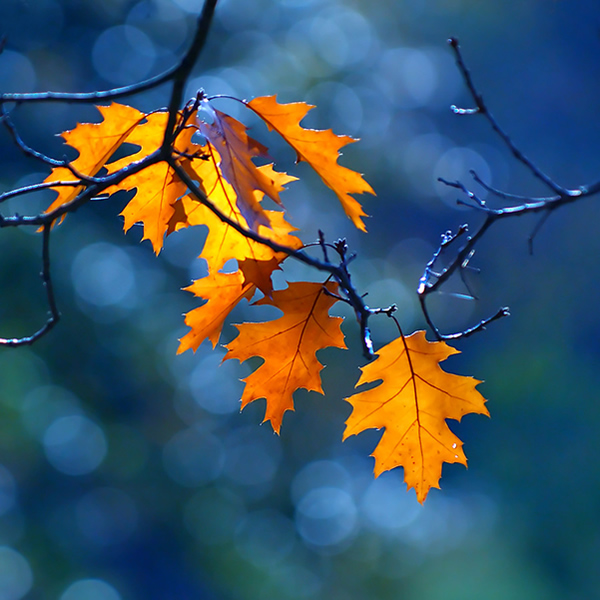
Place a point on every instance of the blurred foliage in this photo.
(127, 472)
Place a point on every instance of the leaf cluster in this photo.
(197, 166)
(210, 177)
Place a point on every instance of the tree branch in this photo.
(482, 109)
(432, 280)
(183, 70)
(183, 66)
(51, 300)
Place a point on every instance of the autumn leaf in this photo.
(412, 403)
(236, 149)
(257, 261)
(320, 149)
(223, 292)
(96, 143)
(288, 346)
(223, 242)
(157, 186)
(412, 397)
(258, 272)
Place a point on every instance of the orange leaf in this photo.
(320, 149)
(259, 273)
(236, 150)
(158, 188)
(223, 242)
(223, 292)
(412, 403)
(288, 346)
(96, 143)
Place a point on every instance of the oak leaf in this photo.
(320, 149)
(223, 242)
(223, 292)
(157, 186)
(288, 346)
(412, 403)
(236, 149)
(258, 272)
(96, 143)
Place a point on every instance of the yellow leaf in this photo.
(320, 149)
(412, 403)
(223, 242)
(236, 150)
(288, 346)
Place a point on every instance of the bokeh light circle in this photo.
(90, 589)
(103, 274)
(8, 490)
(16, 577)
(106, 516)
(193, 457)
(326, 517)
(74, 445)
(123, 54)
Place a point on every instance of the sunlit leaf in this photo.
(288, 346)
(320, 149)
(412, 403)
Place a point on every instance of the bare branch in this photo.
(483, 110)
(179, 71)
(183, 70)
(36, 187)
(27, 150)
(506, 195)
(51, 300)
(432, 279)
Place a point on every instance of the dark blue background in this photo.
(128, 472)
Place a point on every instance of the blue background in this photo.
(127, 472)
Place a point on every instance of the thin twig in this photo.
(323, 246)
(483, 110)
(50, 298)
(472, 195)
(432, 280)
(183, 70)
(36, 187)
(506, 195)
(27, 150)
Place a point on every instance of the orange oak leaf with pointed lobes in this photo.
(223, 292)
(158, 188)
(288, 346)
(412, 403)
(236, 149)
(320, 149)
(96, 143)
(223, 242)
